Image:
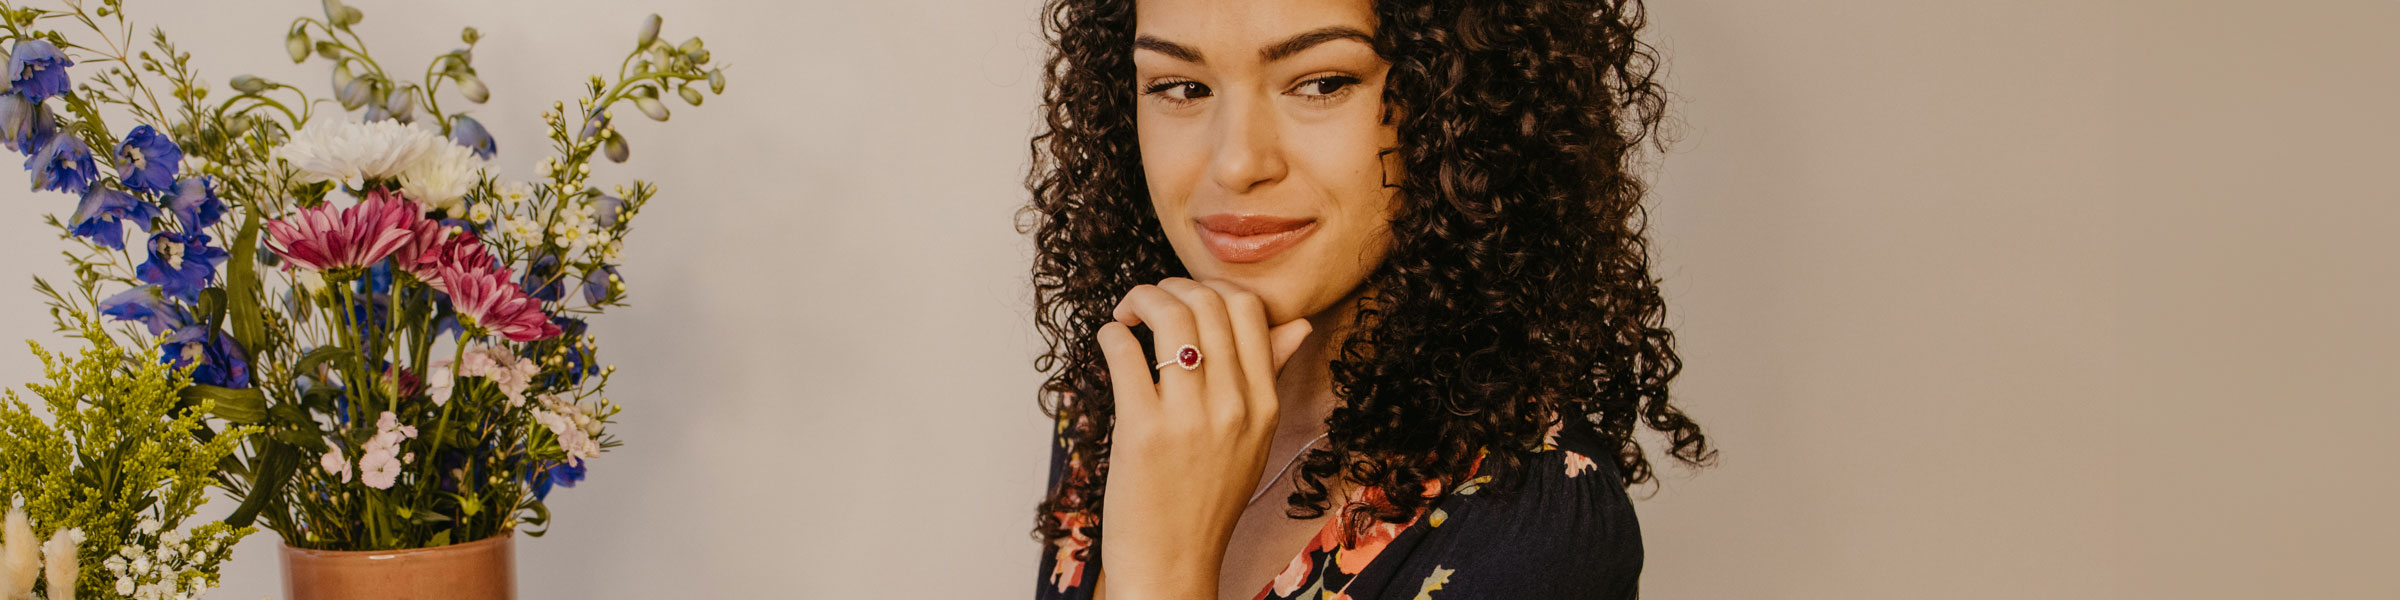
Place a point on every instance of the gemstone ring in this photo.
(1187, 357)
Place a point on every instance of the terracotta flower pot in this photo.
(484, 569)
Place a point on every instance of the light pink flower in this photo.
(326, 239)
(489, 300)
(1578, 464)
(512, 374)
(335, 464)
(380, 462)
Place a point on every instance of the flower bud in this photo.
(333, 11)
(248, 85)
(649, 32)
(470, 35)
(402, 104)
(689, 46)
(299, 45)
(342, 77)
(472, 87)
(690, 95)
(699, 58)
(351, 15)
(716, 81)
(651, 107)
(357, 93)
(616, 149)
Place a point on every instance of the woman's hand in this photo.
(1188, 445)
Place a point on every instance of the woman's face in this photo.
(1262, 135)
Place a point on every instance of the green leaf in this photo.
(241, 285)
(240, 406)
(276, 465)
(309, 362)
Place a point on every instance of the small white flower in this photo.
(148, 526)
(125, 586)
(526, 232)
(480, 213)
(516, 191)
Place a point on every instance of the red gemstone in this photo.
(1187, 357)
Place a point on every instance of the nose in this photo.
(1249, 150)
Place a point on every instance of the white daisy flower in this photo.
(352, 152)
(441, 177)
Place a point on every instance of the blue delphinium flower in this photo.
(147, 161)
(468, 132)
(542, 280)
(213, 356)
(607, 210)
(148, 306)
(600, 284)
(98, 216)
(26, 126)
(569, 344)
(65, 164)
(181, 264)
(565, 474)
(195, 203)
(37, 70)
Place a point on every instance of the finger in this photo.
(1128, 372)
(1248, 315)
(1223, 367)
(1171, 327)
(1286, 340)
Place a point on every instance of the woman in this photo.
(1394, 243)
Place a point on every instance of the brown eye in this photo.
(1326, 86)
(1179, 91)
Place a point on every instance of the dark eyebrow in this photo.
(1273, 52)
(1171, 49)
(1297, 43)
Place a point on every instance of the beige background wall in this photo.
(1982, 300)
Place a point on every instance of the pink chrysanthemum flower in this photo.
(457, 247)
(489, 300)
(343, 243)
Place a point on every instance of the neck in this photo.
(1305, 385)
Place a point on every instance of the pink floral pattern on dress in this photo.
(1069, 570)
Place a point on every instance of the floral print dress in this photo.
(1569, 532)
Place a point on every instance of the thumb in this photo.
(1285, 340)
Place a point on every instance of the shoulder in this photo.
(1566, 530)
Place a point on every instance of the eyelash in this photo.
(1160, 90)
(1345, 82)
(1343, 86)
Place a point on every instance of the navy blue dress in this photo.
(1570, 532)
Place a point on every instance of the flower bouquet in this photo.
(389, 339)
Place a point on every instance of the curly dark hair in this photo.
(1517, 291)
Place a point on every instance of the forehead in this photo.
(1235, 23)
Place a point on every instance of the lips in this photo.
(1251, 238)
